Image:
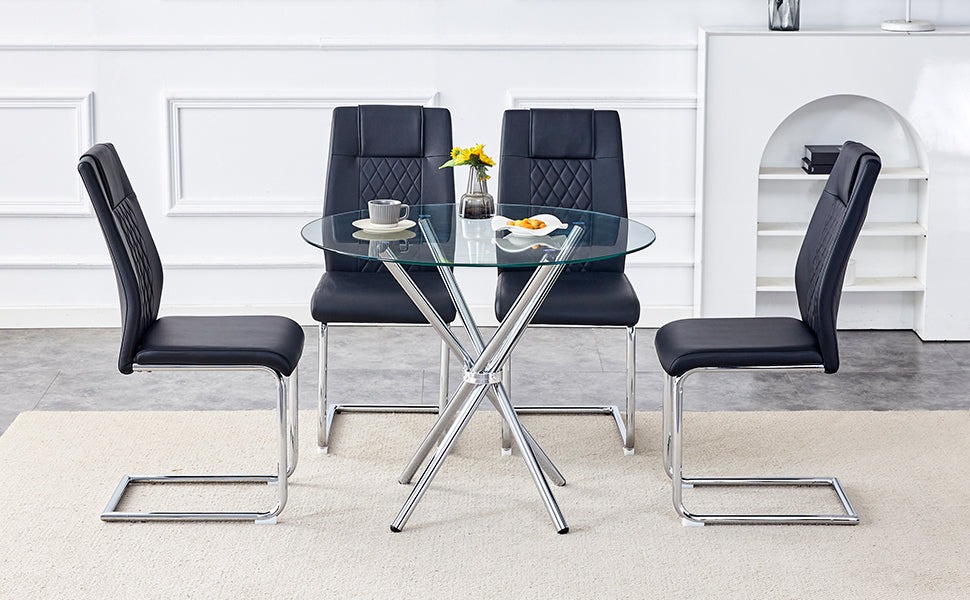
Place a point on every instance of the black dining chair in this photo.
(151, 343)
(571, 158)
(382, 152)
(774, 344)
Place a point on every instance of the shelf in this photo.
(797, 174)
(797, 230)
(862, 284)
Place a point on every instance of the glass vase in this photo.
(476, 202)
(783, 15)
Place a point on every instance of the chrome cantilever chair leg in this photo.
(293, 420)
(667, 416)
(625, 423)
(327, 412)
(287, 425)
(324, 416)
(673, 424)
(628, 429)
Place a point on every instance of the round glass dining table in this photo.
(436, 236)
(459, 242)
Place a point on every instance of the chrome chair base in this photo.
(673, 421)
(326, 412)
(288, 424)
(625, 426)
(112, 514)
(848, 518)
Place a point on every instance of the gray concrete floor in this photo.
(76, 369)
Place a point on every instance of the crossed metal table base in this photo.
(482, 372)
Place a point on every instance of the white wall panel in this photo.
(44, 133)
(661, 288)
(235, 155)
(230, 157)
(675, 240)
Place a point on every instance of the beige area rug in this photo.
(481, 530)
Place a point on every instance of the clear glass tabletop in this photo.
(474, 243)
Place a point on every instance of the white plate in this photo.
(366, 225)
(500, 223)
(520, 243)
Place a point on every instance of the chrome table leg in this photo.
(480, 377)
(530, 460)
(475, 335)
(443, 376)
(437, 430)
(498, 395)
(467, 409)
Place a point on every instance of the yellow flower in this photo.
(474, 156)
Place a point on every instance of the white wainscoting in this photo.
(44, 128)
(256, 155)
(225, 141)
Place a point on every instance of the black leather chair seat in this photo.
(352, 297)
(273, 342)
(577, 298)
(745, 342)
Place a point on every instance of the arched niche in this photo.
(835, 119)
(888, 268)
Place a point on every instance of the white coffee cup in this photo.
(385, 211)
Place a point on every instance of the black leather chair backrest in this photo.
(571, 158)
(137, 266)
(831, 235)
(387, 152)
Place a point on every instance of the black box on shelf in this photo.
(814, 169)
(822, 155)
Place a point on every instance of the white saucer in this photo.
(383, 236)
(366, 225)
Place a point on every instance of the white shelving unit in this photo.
(890, 255)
